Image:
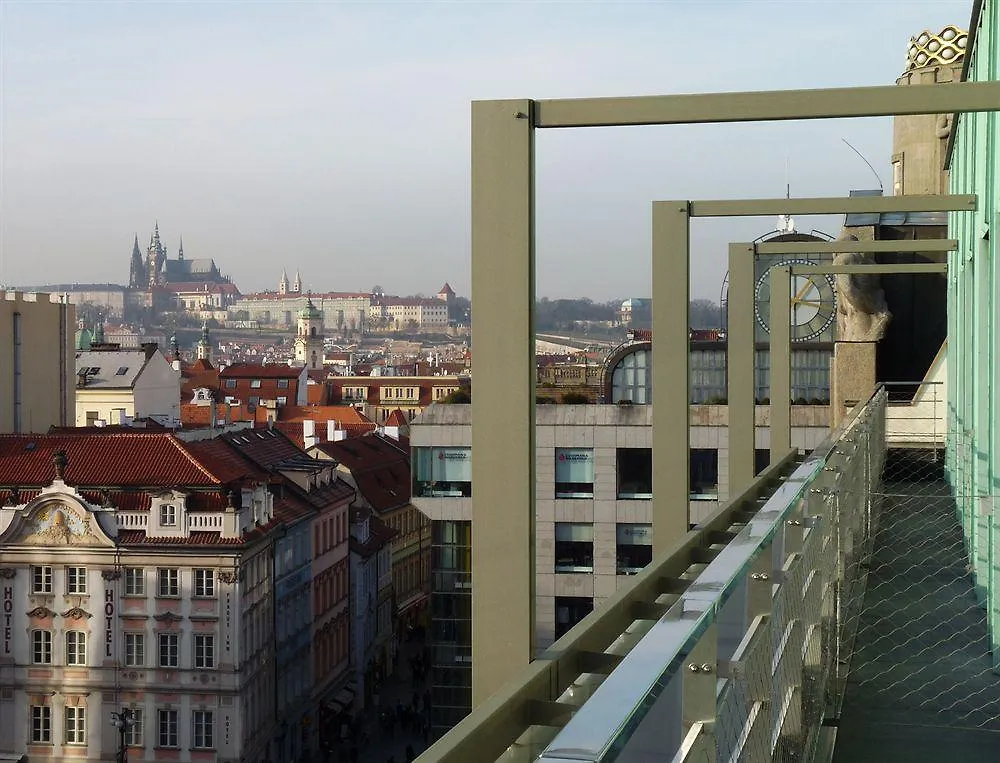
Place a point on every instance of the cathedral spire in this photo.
(283, 283)
(297, 284)
(180, 250)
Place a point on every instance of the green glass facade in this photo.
(972, 462)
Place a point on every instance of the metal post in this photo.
(781, 392)
(740, 378)
(503, 407)
(671, 375)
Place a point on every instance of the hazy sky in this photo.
(334, 137)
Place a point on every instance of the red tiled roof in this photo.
(190, 287)
(266, 448)
(201, 538)
(379, 533)
(259, 371)
(115, 458)
(293, 430)
(224, 460)
(344, 414)
(380, 467)
(396, 419)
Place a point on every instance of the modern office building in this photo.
(37, 371)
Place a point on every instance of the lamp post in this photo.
(122, 720)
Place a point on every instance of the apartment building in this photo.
(115, 384)
(253, 384)
(36, 374)
(378, 396)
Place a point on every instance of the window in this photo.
(41, 580)
(282, 383)
(443, 472)
(135, 650)
(570, 610)
(134, 732)
(634, 548)
(204, 651)
(168, 582)
(76, 580)
(92, 418)
(255, 384)
(635, 473)
(282, 400)
(76, 648)
(230, 383)
(168, 515)
(76, 725)
(135, 581)
(41, 724)
(203, 728)
(704, 474)
(574, 547)
(122, 370)
(632, 378)
(168, 728)
(168, 650)
(253, 400)
(204, 583)
(41, 647)
(574, 473)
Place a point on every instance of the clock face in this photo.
(813, 306)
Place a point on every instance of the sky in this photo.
(333, 138)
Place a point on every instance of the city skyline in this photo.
(333, 138)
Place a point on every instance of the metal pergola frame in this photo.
(503, 292)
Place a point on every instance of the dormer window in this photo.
(168, 515)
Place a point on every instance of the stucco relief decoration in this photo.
(111, 574)
(226, 576)
(862, 313)
(7, 573)
(58, 525)
(167, 617)
(75, 613)
(41, 612)
(929, 49)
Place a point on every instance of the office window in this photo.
(76, 580)
(76, 725)
(167, 728)
(76, 648)
(168, 515)
(202, 735)
(135, 650)
(134, 732)
(704, 474)
(168, 650)
(204, 651)
(634, 547)
(204, 583)
(635, 473)
(135, 581)
(574, 547)
(255, 384)
(41, 580)
(574, 472)
(41, 724)
(570, 610)
(632, 378)
(168, 582)
(41, 647)
(443, 472)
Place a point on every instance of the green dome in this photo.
(310, 311)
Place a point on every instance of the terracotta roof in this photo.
(225, 460)
(139, 538)
(345, 414)
(268, 449)
(446, 289)
(259, 371)
(116, 458)
(397, 419)
(380, 468)
(293, 430)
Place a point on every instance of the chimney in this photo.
(331, 430)
(309, 438)
(339, 434)
(149, 348)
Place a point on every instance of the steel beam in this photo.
(503, 407)
(875, 268)
(740, 351)
(869, 247)
(671, 375)
(767, 106)
(780, 361)
(832, 206)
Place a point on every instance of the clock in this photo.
(813, 305)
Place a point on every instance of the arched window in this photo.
(632, 378)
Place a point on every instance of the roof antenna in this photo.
(880, 186)
(786, 223)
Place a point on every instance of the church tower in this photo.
(156, 256)
(137, 277)
(283, 283)
(297, 284)
(205, 344)
(309, 338)
(180, 249)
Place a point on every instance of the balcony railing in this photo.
(728, 647)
